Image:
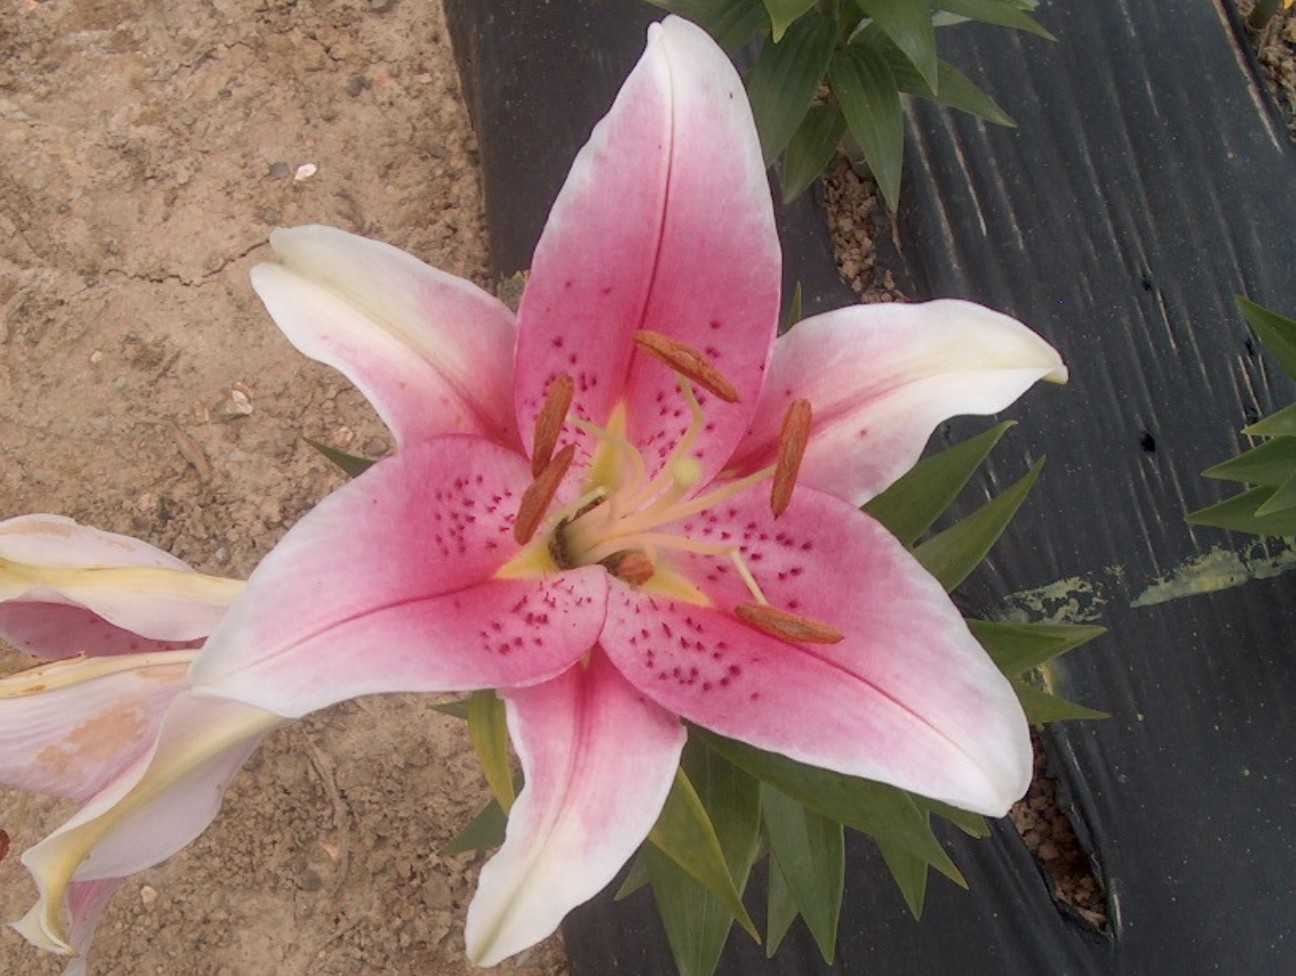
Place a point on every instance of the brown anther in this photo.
(4, 844)
(536, 499)
(630, 565)
(687, 361)
(550, 422)
(792, 448)
(780, 623)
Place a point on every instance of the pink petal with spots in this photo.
(154, 808)
(908, 697)
(387, 585)
(70, 727)
(433, 353)
(665, 224)
(881, 378)
(69, 589)
(599, 759)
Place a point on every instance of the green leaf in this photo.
(997, 13)
(685, 833)
(972, 824)
(729, 22)
(785, 77)
(1041, 707)
(1277, 332)
(1017, 648)
(873, 808)
(485, 830)
(1271, 464)
(866, 90)
(1239, 514)
(455, 709)
(1280, 424)
(353, 464)
(783, 12)
(954, 553)
(811, 147)
(794, 312)
(810, 852)
(781, 912)
(488, 730)
(917, 498)
(1282, 499)
(909, 26)
(637, 877)
(910, 874)
(957, 91)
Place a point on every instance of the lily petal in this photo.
(433, 353)
(390, 584)
(589, 801)
(157, 806)
(67, 588)
(881, 378)
(70, 727)
(634, 242)
(908, 697)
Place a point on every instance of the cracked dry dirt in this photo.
(146, 150)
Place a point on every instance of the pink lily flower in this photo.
(107, 716)
(634, 507)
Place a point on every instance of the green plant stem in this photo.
(1262, 13)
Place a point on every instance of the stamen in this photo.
(689, 361)
(536, 499)
(630, 565)
(780, 623)
(550, 421)
(792, 448)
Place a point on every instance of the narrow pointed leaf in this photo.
(810, 852)
(1042, 707)
(956, 90)
(1239, 514)
(811, 147)
(917, 499)
(695, 922)
(954, 553)
(455, 709)
(1017, 648)
(794, 310)
(635, 878)
(871, 808)
(488, 729)
(685, 833)
(910, 874)
(1277, 332)
(909, 26)
(1280, 424)
(781, 909)
(972, 824)
(352, 464)
(1270, 464)
(729, 22)
(783, 12)
(866, 90)
(1283, 498)
(784, 79)
(997, 13)
(484, 831)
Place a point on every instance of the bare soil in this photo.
(146, 150)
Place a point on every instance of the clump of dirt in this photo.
(857, 218)
(146, 151)
(1275, 47)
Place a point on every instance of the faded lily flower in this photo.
(634, 507)
(106, 716)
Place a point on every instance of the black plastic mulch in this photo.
(1149, 183)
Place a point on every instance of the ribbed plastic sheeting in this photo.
(1150, 181)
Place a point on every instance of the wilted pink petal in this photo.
(599, 760)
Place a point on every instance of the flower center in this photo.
(621, 519)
